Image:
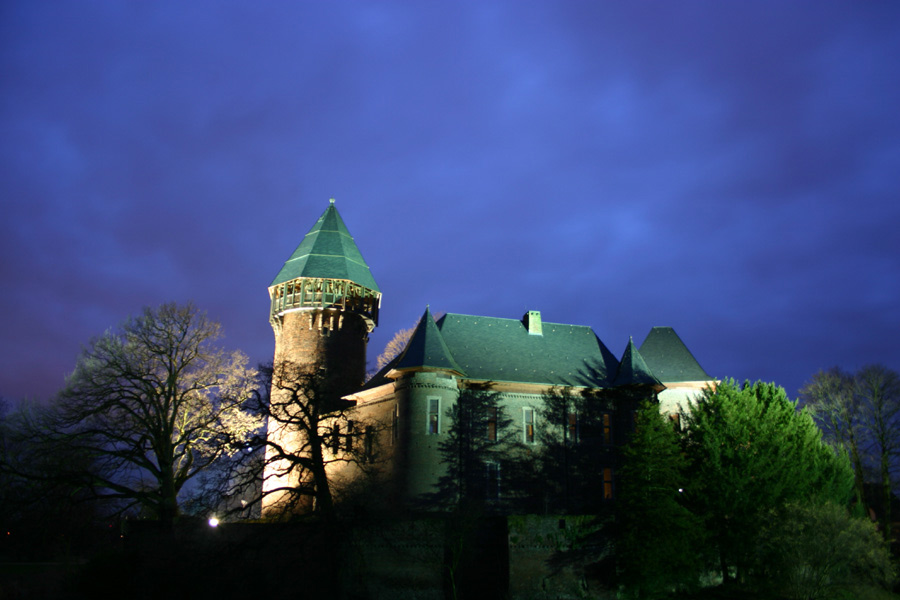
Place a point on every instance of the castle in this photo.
(325, 302)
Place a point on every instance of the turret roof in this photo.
(633, 370)
(426, 350)
(328, 251)
(669, 359)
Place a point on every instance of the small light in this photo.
(680, 490)
(213, 522)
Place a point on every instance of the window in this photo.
(607, 483)
(434, 416)
(335, 438)
(572, 427)
(492, 481)
(492, 424)
(606, 428)
(675, 419)
(528, 423)
(348, 439)
(369, 445)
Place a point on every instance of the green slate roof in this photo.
(633, 370)
(669, 359)
(502, 350)
(426, 349)
(328, 251)
(493, 349)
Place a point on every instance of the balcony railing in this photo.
(321, 293)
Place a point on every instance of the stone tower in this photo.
(324, 304)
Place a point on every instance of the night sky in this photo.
(729, 169)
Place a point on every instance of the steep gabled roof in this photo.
(493, 349)
(328, 251)
(633, 370)
(669, 359)
(426, 350)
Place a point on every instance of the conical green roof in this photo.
(328, 251)
(427, 350)
(669, 358)
(633, 370)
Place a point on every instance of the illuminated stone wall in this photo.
(678, 396)
(326, 340)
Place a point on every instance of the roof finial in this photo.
(331, 201)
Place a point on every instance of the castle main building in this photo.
(324, 303)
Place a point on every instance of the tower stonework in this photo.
(325, 338)
(324, 302)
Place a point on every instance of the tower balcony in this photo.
(307, 293)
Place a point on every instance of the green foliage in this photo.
(753, 452)
(659, 538)
(820, 552)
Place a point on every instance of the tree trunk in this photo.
(887, 497)
(168, 501)
(858, 476)
(723, 563)
(324, 502)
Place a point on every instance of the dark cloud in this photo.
(728, 170)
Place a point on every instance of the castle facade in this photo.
(398, 427)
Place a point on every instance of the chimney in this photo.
(532, 320)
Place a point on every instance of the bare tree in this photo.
(878, 389)
(837, 409)
(394, 347)
(860, 413)
(308, 431)
(152, 406)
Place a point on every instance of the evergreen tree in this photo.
(580, 441)
(474, 452)
(566, 420)
(478, 455)
(658, 538)
(752, 452)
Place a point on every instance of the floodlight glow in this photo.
(213, 522)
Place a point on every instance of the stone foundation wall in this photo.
(518, 557)
(556, 557)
